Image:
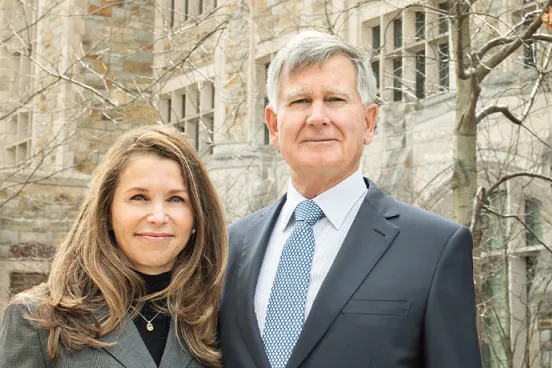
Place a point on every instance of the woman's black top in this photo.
(156, 339)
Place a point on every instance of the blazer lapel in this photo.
(129, 349)
(174, 355)
(254, 249)
(367, 240)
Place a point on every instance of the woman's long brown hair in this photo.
(90, 274)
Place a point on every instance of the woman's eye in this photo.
(138, 197)
(176, 200)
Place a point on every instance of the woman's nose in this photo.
(158, 215)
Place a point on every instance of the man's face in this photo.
(321, 125)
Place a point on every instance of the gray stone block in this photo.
(9, 237)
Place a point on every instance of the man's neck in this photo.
(311, 184)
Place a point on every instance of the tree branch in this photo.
(516, 217)
(542, 37)
(498, 108)
(476, 208)
(504, 109)
(489, 45)
(505, 178)
(506, 50)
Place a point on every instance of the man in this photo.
(336, 273)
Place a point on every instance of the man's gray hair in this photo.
(312, 47)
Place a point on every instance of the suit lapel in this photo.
(367, 240)
(129, 349)
(174, 355)
(253, 252)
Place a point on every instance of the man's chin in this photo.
(320, 165)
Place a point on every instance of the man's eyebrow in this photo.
(296, 92)
(338, 90)
(290, 95)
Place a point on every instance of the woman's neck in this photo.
(155, 283)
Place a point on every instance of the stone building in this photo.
(200, 65)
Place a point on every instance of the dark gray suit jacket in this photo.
(399, 294)
(24, 346)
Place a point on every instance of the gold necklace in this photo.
(149, 325)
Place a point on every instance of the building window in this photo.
(495, 316)
(192, 112)
(533, 221)
(376, 69)
(376, 38)
(18, 135)
(397, 79)
(443, 18)
(494, 225)
(420, 74)
(397, 33)
(266, 132)
(444, 66)
(186, 9)
(530, 272)
(529, 54)
(171, 15)
(529, 47)
(165, 110)
(547, 166)
(546, 354)
(420, 25)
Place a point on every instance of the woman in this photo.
(137, 280)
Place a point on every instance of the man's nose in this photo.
(318, 114)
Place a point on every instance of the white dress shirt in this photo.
(340, 205)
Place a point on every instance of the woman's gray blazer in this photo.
(24, 346)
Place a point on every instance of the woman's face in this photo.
(151, 213)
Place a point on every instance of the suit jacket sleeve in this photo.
(20, 344)
(450, 333)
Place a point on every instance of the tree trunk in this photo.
(464, 178)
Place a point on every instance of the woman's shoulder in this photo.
(21, 343)
(21, 305)
(18, 314)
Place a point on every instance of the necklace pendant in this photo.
(149, 327)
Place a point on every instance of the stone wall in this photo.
(32, 225)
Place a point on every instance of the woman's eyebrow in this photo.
(172, 191)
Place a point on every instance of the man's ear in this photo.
(271, 121)
(370, 118)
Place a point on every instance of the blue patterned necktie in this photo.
(286, 307)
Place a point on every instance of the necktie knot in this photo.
(308, 212)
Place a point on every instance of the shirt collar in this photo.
(335, 202)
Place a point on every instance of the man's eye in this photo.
(176, 199)
(335, 99)
(300, 101)
(138, 197)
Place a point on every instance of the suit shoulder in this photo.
(422, 218)
(246, 221)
